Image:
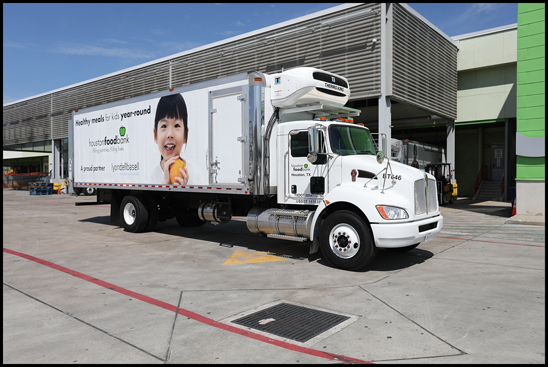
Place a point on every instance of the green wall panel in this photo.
(530, 41)
(531, 65)
(530, 77)
(534, 128)
(531, 29)
(527, 7)
(530, 15)
(531, 53)
(530, 168)
(530, 89)
(530, 112)
(536, 100)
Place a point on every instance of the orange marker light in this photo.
(382, 212)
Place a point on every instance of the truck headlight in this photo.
(391, 212)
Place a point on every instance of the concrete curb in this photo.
(531, 220)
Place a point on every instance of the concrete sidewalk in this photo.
(78, 289)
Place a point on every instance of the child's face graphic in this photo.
(170, 137)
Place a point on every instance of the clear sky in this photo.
(50, 46)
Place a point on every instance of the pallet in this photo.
(41, 192)
(40, 188)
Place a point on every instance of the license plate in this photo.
(428, 237)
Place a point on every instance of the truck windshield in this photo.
(347, 140)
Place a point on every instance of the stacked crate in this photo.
(40, 188)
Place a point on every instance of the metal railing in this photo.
(482, 175)
(502, 188)
(21, 180)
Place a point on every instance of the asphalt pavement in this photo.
(78, 289)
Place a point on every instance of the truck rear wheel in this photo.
(153, 213)
(346, 241)
(89, 191)
(133, 213)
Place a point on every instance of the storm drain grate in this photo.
(292, 322)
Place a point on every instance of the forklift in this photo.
(446, 184)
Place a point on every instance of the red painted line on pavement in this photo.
(190, 314)
(502, 243)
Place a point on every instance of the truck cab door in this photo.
(307, 182)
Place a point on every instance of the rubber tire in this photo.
(189, 220)
(89, 191)
(365, 254)
(141, 213)
(153, 213)
(404, 249)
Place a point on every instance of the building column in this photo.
(450, 153)
(506, 158)
(480, 149)
(57, 166)
(385, 120)
(385, 112)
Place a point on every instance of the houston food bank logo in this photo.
(122, 139)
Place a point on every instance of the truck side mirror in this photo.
(313, 144)
(380, 157)
(382, 148)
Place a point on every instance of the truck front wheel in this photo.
(346, 241)
(133, 213)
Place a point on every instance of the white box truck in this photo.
(278, 149)
(416, 154)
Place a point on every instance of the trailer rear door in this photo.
(227, 117)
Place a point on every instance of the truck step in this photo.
(290, 238)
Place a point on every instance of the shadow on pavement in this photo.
(100, 220)
(495, 208)
(235, 233)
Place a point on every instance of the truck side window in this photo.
(299, 146)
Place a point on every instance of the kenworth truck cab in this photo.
(361, 200)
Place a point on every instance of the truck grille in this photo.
(426, 201)
(432, 196)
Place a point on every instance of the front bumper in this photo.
(394, 235)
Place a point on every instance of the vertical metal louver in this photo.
(343, 48)
(424, 65)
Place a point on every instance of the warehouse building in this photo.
(409, 79)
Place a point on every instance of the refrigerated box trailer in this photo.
(280, 149)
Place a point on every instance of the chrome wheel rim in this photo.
(344, 241)
(129, 213)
